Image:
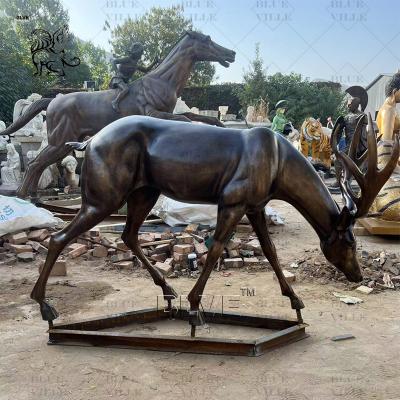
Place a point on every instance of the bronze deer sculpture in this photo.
(75, 116)
(136, 158)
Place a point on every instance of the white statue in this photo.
(50, 174)
(69, 164)
(11, 169)
(180, 106)
(35, 125)
(223, 110)
(3, 138)
(250, 114)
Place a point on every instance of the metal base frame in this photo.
(93, 332)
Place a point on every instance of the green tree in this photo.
(305, 98)
(158, 30)
(254, 82)
(96, 60)
(15, 74)
(17, 78)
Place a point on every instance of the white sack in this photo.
(174, 213)
(17, 214)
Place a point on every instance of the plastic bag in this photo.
(17, 215)
(174, 213)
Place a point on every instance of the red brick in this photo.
(183, 248)
(165, 269)
(167, 235)
(78, 251)
(200, 248)
(184, 239)
(38, 235)
(121, 245)
(124, 265)
(121, 256)
(159, 257)
(18, 238)
(192, 228)
(100, 251)
(19, 248)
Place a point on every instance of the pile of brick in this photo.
(24, 246)
(168, 251)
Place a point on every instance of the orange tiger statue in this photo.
(315, 141)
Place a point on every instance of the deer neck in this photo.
(300, 186)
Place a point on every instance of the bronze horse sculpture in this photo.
(76, 116)
(240, 171)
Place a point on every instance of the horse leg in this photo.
(86, 219)
(203, 118)
(227, 219)
(49, 155)
(140, 203)
(167, 115)
(259, 224)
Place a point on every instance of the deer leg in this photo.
(227, 219)
(259, 224)
(49, 155)
(140, 203)
(86, 219)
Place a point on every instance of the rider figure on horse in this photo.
(125, 67)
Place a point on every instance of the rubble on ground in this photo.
(169, 253)
(380, 270)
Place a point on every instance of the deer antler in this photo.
(373, 180)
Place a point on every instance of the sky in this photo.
(346, 41)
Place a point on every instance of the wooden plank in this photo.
(377, 226)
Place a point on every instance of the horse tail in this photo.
(80, 146)
(34, 109)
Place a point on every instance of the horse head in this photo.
(204, 49)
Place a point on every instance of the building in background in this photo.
(376, 93)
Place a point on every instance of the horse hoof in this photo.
(49, 313)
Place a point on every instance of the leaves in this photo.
(17, 78)
(305, 98)
(158, 30)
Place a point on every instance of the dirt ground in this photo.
(367, 367)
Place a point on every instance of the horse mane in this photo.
(172, 48)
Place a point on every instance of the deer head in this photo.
(340, 246)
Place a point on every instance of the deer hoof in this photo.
(49, 313)
(169, 293)
(195, 318)
(296, 303)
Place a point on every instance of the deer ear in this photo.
(345, 219)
